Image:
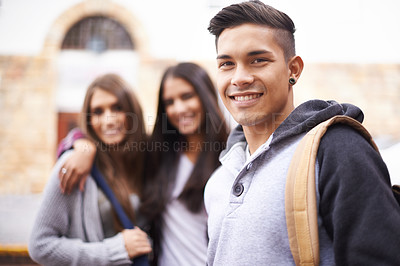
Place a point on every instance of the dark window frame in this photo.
(97, 34)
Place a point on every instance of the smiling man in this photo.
(245, 197)
(253, 79)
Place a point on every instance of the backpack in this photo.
(300, 191)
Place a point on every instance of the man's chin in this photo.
(245, 121)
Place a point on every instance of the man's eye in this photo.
(260, 60)
(225, 64)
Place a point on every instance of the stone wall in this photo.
(375, 88)
(27, 123)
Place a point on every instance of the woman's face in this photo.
(107, 117)
(183, 106)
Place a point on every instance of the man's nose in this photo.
(242, 76)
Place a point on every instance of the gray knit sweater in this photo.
(68, 228)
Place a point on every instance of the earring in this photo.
(292, 81)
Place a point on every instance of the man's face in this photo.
(253, 76)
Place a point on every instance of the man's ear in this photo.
(296, 65)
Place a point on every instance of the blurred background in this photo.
(51, 50)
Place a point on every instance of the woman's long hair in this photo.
(133, 160)
(166, 145)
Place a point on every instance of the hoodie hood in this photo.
(301, 119)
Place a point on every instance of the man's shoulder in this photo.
(344, 154)
(344, 138)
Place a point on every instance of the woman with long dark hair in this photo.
(188, 136)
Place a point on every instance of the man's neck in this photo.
(256, 136)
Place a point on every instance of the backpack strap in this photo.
(300, 192)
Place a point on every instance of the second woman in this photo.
(188, 136)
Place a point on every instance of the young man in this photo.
(358, 217)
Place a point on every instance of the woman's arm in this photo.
(77, 167)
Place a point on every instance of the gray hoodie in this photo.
(245, 198)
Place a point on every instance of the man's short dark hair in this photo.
(256, 12)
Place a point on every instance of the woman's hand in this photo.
(136, 242)
(77, 167)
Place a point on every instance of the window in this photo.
(97, 34)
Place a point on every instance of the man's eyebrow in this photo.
(223, 56)
(258, 52)
(252, 53)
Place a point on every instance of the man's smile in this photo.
(246, 97)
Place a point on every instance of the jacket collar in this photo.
(302, 119)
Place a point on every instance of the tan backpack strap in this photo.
(300, 194)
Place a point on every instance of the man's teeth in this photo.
(247, 97)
